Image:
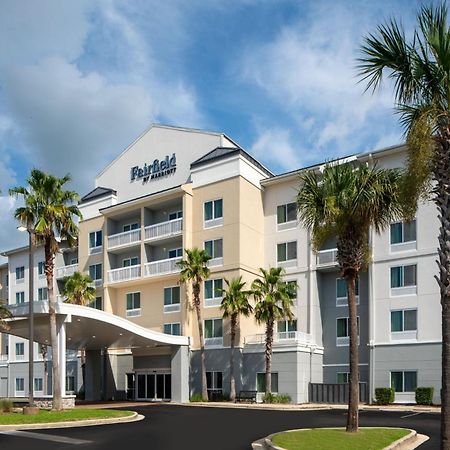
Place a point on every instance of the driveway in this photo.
(171, 427)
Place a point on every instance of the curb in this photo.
(410, 441)
(135, 417)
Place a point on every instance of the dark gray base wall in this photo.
(3, 381)
(423, 358)
(330, 374)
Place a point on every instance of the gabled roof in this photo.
(97, 193)
(224, 152)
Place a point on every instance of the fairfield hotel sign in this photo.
(156, 169)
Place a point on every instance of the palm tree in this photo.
(194, 269)
(78, 290)
(274, 300)
(49, 211)
(345, 202)
(420, 70)
(234, 303)
(5, 313)
(44, 353)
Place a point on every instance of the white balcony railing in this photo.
(162, 267)
(164, 229)
(66, 271)
(327, 257)
(124, 274)
(123, 239)
(282, 337)
(3, 358)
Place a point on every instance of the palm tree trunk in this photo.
(49, 266)
(83, 368)
(196, 294)
(353, 399)
(232, 343)
(269, 345)
(442, 200)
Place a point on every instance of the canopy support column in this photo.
(180, 373)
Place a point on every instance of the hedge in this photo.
(384, 396)
(424, 395)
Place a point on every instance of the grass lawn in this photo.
(61, 416)
(322, 439)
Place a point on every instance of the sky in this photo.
(80, 80)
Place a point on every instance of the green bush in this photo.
(424, 395)
(196, 398)
(384, 396)
(6, 405)
(276, 398)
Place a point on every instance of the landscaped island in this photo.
(339, 439)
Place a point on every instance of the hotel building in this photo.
(176, 188)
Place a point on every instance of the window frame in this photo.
(213, 341)
(98, 247)
(178, 214)
(275, 375)
(20, 270)
(131, 258)
(19, 354)
(215, 260)
(41, 264)
(402, 242)
(213, 377)
(403, 371)
(133, 312)
(343, 301)
(133, 226)
(171, 307)
(344, 341)
(171, 325)
(40, 297)
(22, 295)
(287, 224)
(215, 300)
(16, 390)
(178, 250)
(403, 290)
(215, 221)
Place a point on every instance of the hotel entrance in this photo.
(153, 386)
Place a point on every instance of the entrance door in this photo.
(154, 386)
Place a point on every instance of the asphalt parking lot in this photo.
(171, 427)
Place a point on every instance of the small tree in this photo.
(194, 270)
(234, 303)
(274, 300)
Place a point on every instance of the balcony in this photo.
(162, 267)
(124, 274)
(164, 229)
(214, 342)
(124, 239)
(3, 358)
(284, 337)
(66, 271)
(327, 258)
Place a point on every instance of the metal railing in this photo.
(124, 273)
(327, 257)
(125, 238)
(66, 271)
(161, 267)
(280, 338)
(164, 229)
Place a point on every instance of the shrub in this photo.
(276, 398)
(196, 398)
(6, 405)
(384, 396)
(424, 395)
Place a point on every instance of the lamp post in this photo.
(31, 409)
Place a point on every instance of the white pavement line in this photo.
(45, 437)
(410, 415)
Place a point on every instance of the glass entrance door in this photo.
(154, 386)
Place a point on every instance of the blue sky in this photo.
(79, 80)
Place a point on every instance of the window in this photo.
(130, 227)
(20, 297)
(287, 251)
(404, 320)
(20, 349)
(213, 332)
(341, 292)
(403, 232)
(175, 215)
(20, 273)
(404, 277)
(343, 331)
(38, 385)
(20, 386)
(127, 262)
(404, 381)
(286, 213)
(95, 271)
(213, 292)
(214, 248)
(41, 268)
(261, 382)
(213, 210)
(73, 261)
(175, 253)
(172, 299)
(70, 383)
(133, 304)
(172, 328)
(95, 241)
(214, 381)
(343, 377)
(96, 303)
(286, 329)
(42, 294)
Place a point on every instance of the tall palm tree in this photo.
(49, 210)
(78, 290)
(345, 202)
(419, 67)
(274, 300)
(194, 269)
(234, 304)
